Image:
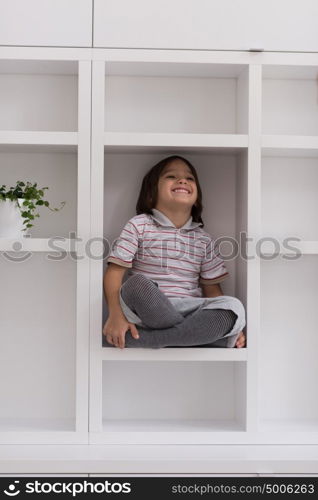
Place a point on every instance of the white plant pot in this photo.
(11, 221)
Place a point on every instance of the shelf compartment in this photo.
(223, 178)
(289, 197)
(38, 348)
(39, 95)
(58, 171)
(176, 97)
(288, 339)
(153, 405)
(289, 100)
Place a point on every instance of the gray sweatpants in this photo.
(186, 307)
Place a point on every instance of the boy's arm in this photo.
(212, 290)
(113, 278)
(116, 325)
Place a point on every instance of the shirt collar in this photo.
(163, 220)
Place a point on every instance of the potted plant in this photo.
(18, 208)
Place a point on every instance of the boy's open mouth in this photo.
(181, 190)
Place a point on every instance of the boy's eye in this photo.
(171, 176)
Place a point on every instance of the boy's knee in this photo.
(137, 284)
(237, 306)
(138, 280)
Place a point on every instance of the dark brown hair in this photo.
(149, 188)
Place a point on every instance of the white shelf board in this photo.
(156, 459)
(168, 431)
(233, 142)
(38, 141)
(289, 145)
(174, 354)
(173, 68)
(37, 245)
(290, 72)
(170, 425)
(36, 425)
(40, 431)
(281, 426)
(38, 67)
(303, 247)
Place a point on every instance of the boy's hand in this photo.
(241, 340)
(115, 330)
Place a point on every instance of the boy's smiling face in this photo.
(176, 187)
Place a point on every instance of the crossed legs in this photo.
(164, 325)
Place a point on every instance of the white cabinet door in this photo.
(283, 25)
(46, 23)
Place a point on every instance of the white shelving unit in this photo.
(90, 123)
(288, 404)
(45, 138)
(248, 122)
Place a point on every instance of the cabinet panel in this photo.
(209, 24)
(46, 23)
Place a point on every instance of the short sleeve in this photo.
(213, 269)
(124, 248)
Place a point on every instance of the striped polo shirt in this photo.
(177, 259)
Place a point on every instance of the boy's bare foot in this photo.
(241, 340)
